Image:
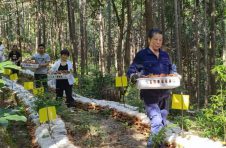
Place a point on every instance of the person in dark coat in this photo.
(153, 60)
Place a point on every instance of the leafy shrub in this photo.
(9, 65)
(46, 100)
(91, 85)
(132, 98)
(211, 119)
(7, 115)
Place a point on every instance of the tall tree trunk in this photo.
(43, 18)
(38, 25)
(121, 21)
(101, 53)
(109, 54)
(212, 44)
(23, 26)
(57, 24)
(18, 27)
(163, 17)
(52, 39)
(86, 48)
(8, 32)
(197, 39)
(148, 16)
(223, 35)
(82, 32)
(177, 37)
(129, 27)
(71, 20)
(207, 69)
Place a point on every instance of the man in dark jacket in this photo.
(153, 60)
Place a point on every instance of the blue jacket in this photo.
(146, 62)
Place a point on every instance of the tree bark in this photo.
(38, 25)
(212, 44)
(163, 17)
(128, 35)
(71, 21)
(121, 21)
(18, 27)
(86, 48)
(148, 16)
(82, 32)
(207, 69)
(43, 21)
(58, 25)
(197, 40)
(223, 35)
(101, 53)
(177, 37)
(109, 54)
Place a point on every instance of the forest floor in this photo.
(93, 129)
(97, 129)
(16, 134)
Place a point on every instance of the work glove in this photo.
(174, 71)
(134, 77)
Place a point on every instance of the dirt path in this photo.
(98, 130)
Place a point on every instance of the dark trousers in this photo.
(41, 80)
(15, 71)
(61, 86)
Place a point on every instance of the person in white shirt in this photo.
(63, 64)
(1, 51)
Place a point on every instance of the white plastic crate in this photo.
(158, 82)
(58, 76)
(29, 65)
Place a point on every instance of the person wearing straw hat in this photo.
(153, 60)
